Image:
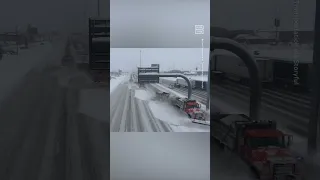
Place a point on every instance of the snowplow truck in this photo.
(191, 107)
(259, 143)
(161, 95)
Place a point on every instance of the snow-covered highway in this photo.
(44, 132)
(134, 109)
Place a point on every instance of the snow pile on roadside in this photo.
(115, 82)
(178, 121)
(143, 94)
(199, 78)
(173, 79)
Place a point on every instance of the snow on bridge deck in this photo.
(196, 78)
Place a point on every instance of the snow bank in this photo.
(199, 78)
(178, 121)
(143, 94)
(14, 68)
(169, 78)
(115, 82)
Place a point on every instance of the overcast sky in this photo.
(159, 23)
(127, 59)
(69, 14)
(253, 14)
(49, 14)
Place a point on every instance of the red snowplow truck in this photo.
(191, 107)
(259, 143)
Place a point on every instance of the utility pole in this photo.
(313, 122)
(140, 58)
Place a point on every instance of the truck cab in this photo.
(266, 150)
(190, 107)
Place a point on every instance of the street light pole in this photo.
(313, 122)
(140, 58)
(98, 8)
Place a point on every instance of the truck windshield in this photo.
(265, 142)
(191, 105)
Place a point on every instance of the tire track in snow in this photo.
(131, 114)
(124, 113)
(145, 117)
(140, 127)
(117, 117)
(153, 121)
(134, 124)
(113, 101)
(129, 117)
(159, 123)
(165, 126)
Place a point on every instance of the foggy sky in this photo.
(63, 15)
(259, 14)
(127, 59)
(159, 23)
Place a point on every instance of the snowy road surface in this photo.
(114, 82)
(14, 68)
(135, 109)
(129, 113)
(43, 134)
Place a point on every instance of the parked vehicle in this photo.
(233, 67)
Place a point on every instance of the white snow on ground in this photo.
(169, 78)
(143, 94)
(94, 103)
(176, 119)
(14, 68)
(199, 78)
(115, 82)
